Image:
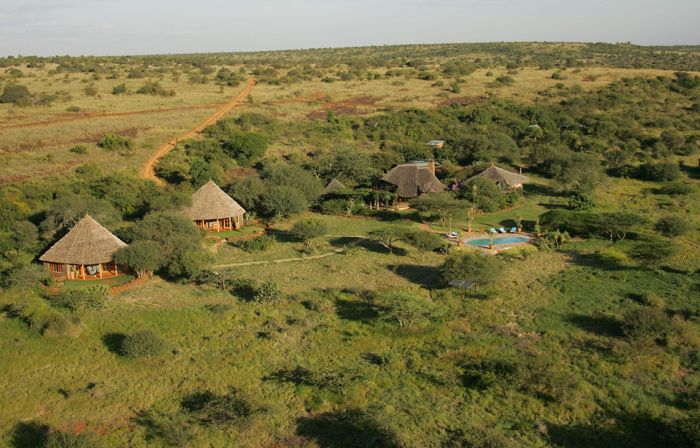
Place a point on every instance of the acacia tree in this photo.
(443, 204)
(388, 236)
(405, 309)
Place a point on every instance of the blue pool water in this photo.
(499, 241)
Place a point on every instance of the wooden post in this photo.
(116, 269)
(82, 271)
(100, 274)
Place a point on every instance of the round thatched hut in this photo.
(503, 178)
(214, 210)
(85, 252)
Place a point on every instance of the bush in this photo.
(678, 188)
(92, 298)
(258, 244)
(659, 172)
(143, 344)
(425, 241)
(58, 439)
(78, 149)
(114, 142)
(579, 201)
(219, 410)
(267, 292)
(119, 89)
(308, 229)
(475, 267)
(405, 308)
(58, 325)
(647, 325)
(651, 253)
(15, 94)
(652, 300)
(154, 88)
(672, 226)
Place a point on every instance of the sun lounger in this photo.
(513, 230)
(502, 230)
(493, 230)
(454, 234)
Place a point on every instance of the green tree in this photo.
(268, 292)
(248, 192)
(405, 308)
(143, 257)
(443, 204)
(307, 230)
(651, 252)
(283, 201)
(475, 267)
(388, 236)
(245, 147)
(672, 226)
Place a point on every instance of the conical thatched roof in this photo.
(87, 243)
(502, 176)
(211, 202)
(333, 185)
(413, 179)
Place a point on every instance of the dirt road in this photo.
(148, 170)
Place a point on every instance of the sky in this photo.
(124, 27)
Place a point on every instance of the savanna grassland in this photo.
(327, 323)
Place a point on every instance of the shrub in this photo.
(92, 298)
(219, 308)
(475, 267)
(15, 94)
(308, 229)
(651, 253)
(119, 89)
(678, 188)
(579, 201)
(425, 241)
(405, 308)
(154, 88)
(653, 300)
(267, 292)
(659, 172)
(477, 437)
(672, 226)
(90, 90)
(219, 410)
(114, 142)
(647, 325)
(258, 244)
(58, 439)
(142, 344)
(57, 325)
(78, 149)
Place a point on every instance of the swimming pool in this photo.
(499, 241)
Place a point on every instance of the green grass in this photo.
(107, 282)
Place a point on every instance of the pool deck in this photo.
(498, 248)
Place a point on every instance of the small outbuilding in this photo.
(85, 252)
(212, 209)
(437, 144)
(504, 179)
(414, 179)
(333, 185)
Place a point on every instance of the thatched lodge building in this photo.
(212, 209)
(85, 252)
(414, 179)
(506, 180)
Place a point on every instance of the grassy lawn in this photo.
(107, 282)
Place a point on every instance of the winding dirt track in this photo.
(148, 170)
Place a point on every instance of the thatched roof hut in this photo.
(503, 178)
(213, 209)
(333, 185)
(86, 244)
(414, 179)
